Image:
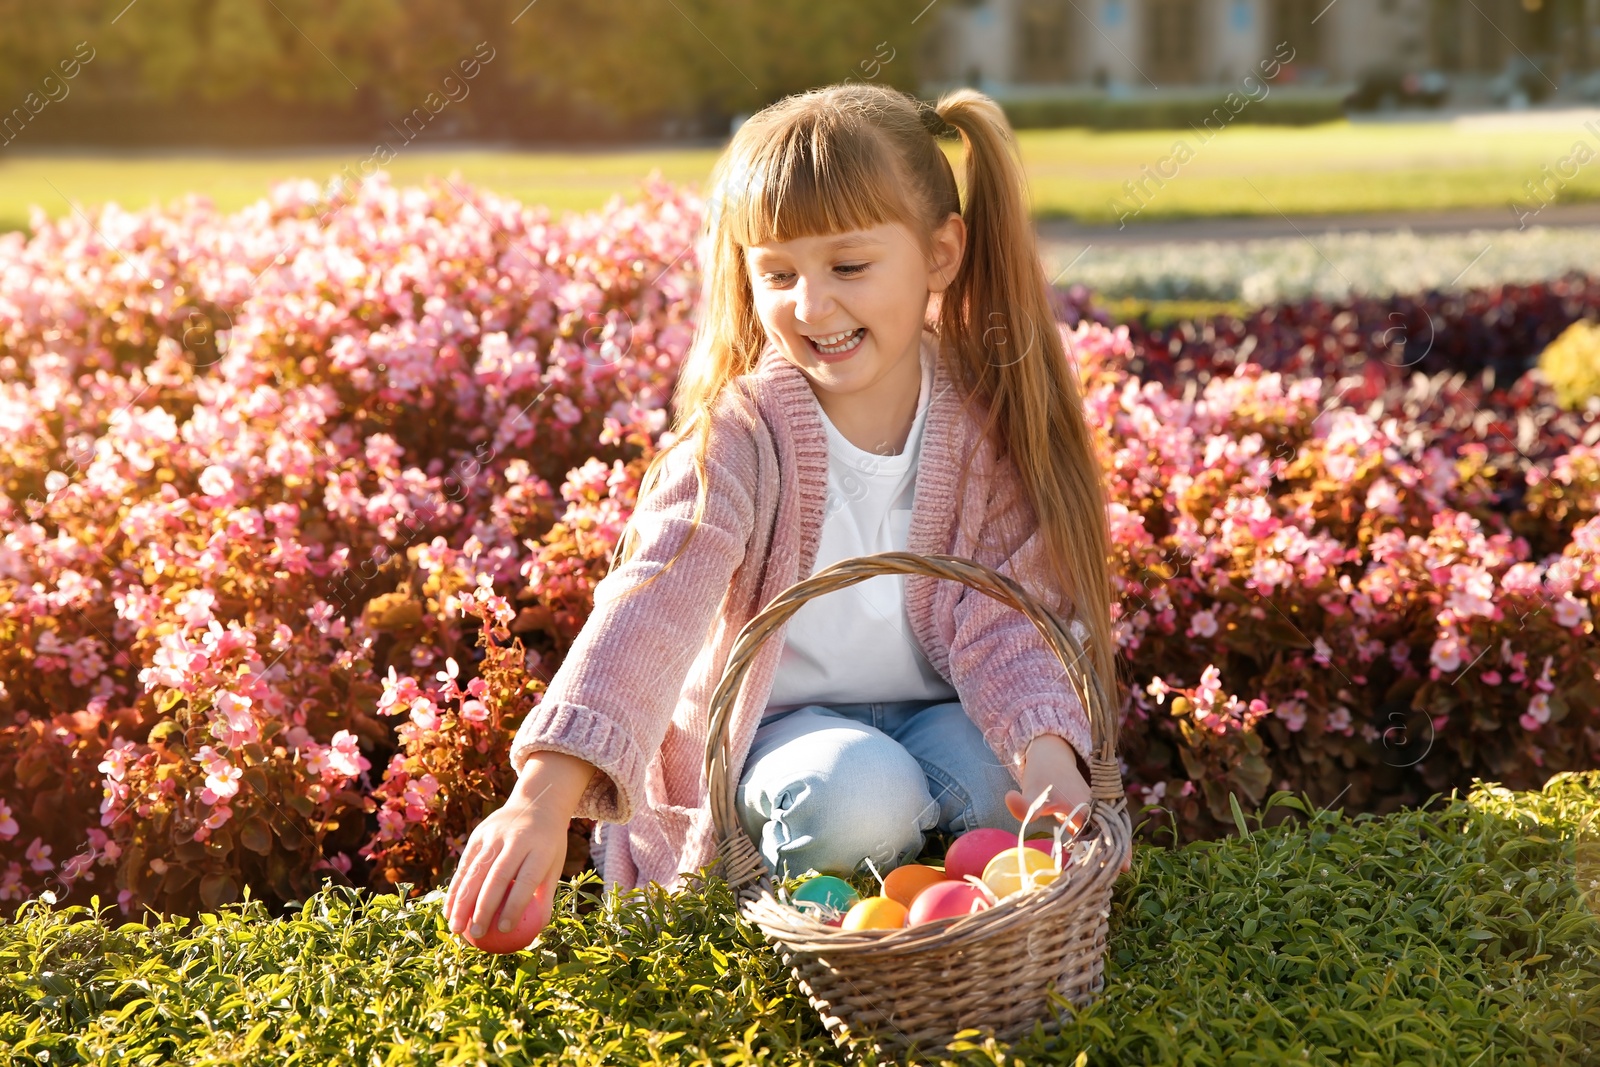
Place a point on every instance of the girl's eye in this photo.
(782, 277)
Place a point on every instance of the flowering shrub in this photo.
(1500, 329)
(267, 473)
(1334, 601)
(306, 504)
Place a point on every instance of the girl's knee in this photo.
(832, 797)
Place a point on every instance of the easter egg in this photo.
(971, 852)
(824, 893)
(904, 883)
(1043, 844)
(535, 917)
(1017, 869)
(946, 900)
(876, 913)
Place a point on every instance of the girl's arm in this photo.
(612, 698)
(1011, 683)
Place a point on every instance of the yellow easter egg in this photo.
(1018, 869)
(876, 913)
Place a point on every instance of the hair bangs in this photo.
(822, 178)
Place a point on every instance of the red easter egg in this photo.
(1043, 844)
(534, 919)
(971, 852)
(946, 900)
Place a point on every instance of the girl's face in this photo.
(848, 308)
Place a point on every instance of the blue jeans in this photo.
(826, 785)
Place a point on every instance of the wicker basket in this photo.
(915, 988)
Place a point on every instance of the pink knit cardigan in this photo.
(631, 695)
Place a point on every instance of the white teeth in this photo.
(833, 339)
(839, 342)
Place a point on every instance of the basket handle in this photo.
(744, 867)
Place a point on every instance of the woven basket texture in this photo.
(1003, 970)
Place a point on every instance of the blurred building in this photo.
(1001, 45)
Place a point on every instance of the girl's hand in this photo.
(1051, 761)
(514, 856)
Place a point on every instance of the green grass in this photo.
(1463, 935)
(1327, 169)
(563, 181)
(1245, 170)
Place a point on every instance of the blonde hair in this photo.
(849, 157)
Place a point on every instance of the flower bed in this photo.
(1497, 331)
(1334, 266)
(306, 502)
(1463, 935)
(269, 476)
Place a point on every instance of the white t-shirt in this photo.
(855, 645)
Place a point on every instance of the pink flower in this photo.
(114, 761)
(1293, 715)
(1446, 655)
(8, 825)
(391, 824)
(1203, 624)
(1538, 712)
(11, 887)
(237, 727)
(344, 755)
(216, 481)
(37, 855)
(419, 797)
(1158, 689)
(424, 714)
(76, 864)
(1570, 611)
(222, 777)
(195, 607)
(1543, 682)
(566, 412)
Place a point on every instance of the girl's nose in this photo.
(811, 302)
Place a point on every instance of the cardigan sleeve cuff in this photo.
(1069, 724)
(595, 738)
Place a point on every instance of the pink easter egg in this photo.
(535, 917)
(971, 852)
(946, 900)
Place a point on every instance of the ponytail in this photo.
(997, 315)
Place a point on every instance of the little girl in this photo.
(823, 413)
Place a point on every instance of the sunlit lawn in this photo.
(1243, 170)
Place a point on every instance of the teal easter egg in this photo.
(825, 891)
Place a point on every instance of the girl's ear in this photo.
(949, 242)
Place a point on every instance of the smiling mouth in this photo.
(838, 348)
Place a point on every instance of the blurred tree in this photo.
(35, 40)
(631, 60)
(693, 57)
(289, 51)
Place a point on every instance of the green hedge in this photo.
(1102, 112)
(1462, 935)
